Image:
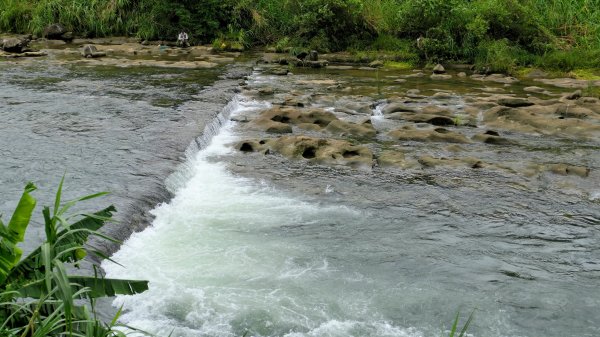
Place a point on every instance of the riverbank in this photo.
(127, 51)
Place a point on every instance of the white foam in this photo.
(226, 254)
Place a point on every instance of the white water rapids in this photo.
(218, 264)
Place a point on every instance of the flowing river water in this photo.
(261, 245)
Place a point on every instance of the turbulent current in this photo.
(260, 245)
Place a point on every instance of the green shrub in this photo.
(165, 19)
(282, 44)
(38, 297)
(390, 42)
(497, 56)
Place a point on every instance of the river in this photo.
(264, 245)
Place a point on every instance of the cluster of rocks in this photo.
(297, 127)
(309, 59)
(15, 44)
(18, 47)
(570, 115)
(315, 149)
(57, 31)
(282, 119)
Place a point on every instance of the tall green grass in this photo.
(85, 17)
(574, 22)
(498, 34)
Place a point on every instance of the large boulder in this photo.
(14, 45)
(54, 31)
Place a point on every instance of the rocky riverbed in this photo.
(387, 120)
(343, 199)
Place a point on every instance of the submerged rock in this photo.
(266, 91)
(25, 54)
(397, 107)
(396, 159)
(536, 90)
(429, 161)
(565, 82)
(492, 137)
(440, 77)
(279, 71)
(514, 102)
(498, 78)
(566, 169)
(408, 133)
(312, 64)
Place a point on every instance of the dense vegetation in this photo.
(499, 34)
(39, 295)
